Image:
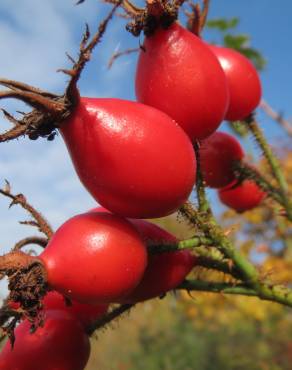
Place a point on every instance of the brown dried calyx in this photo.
(50, 110)
(157, 13)
(27, 285)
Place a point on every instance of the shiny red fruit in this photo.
(165, 271)
(95, 258)
(85, 313)
(134, 160)
(178, 74)
(61, 344)
(243, 81)
(218, 154)
(242, 197)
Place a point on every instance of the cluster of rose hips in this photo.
(137, 160)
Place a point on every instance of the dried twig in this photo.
(118, 54)
(40, 222)
(42, 242)
(287, 125)
(50, 110)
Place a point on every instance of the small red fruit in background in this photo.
(95, 258)
(165, 271)
(85, 313)
(242, 197)
(60, 344)
(218, 154)
(243, 81)
(133, 159)
(178, 74)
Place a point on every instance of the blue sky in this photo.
(34, 36)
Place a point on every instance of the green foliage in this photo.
(239, 42)
(222, 24)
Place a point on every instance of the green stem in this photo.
(155, 248)
(218, 265)
(273, 163)
(213, 231)
(277, 293)
(272, 160)
(109, 317)
(216, 287)
(204, 205)
(245, 171)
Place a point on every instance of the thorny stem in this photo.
(276, 293)
(216, 287)
(155, 248)
(273, 163)
(211, 231)
(287, 125)
(217, 265)
(20, 199)
(109, 317)
(245, 171)
(247, 271)
(267, 152)
(204, 206)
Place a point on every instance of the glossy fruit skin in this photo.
(61, 344)
(178, 74)
(95, 258)
(218, 154)
(242, 197)
(85, 313)
(133, 159)
(243, 81)
(165, 271)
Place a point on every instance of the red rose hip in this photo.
(218, 153)
(133, 159)
(242, 197)
(178, 74)
(60, 344)
(95, 258)
(243, 82)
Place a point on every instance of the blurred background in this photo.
(179, 332)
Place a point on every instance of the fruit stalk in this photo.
(181, 245)
(273, 163)
(106, 319)
(277, 294)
